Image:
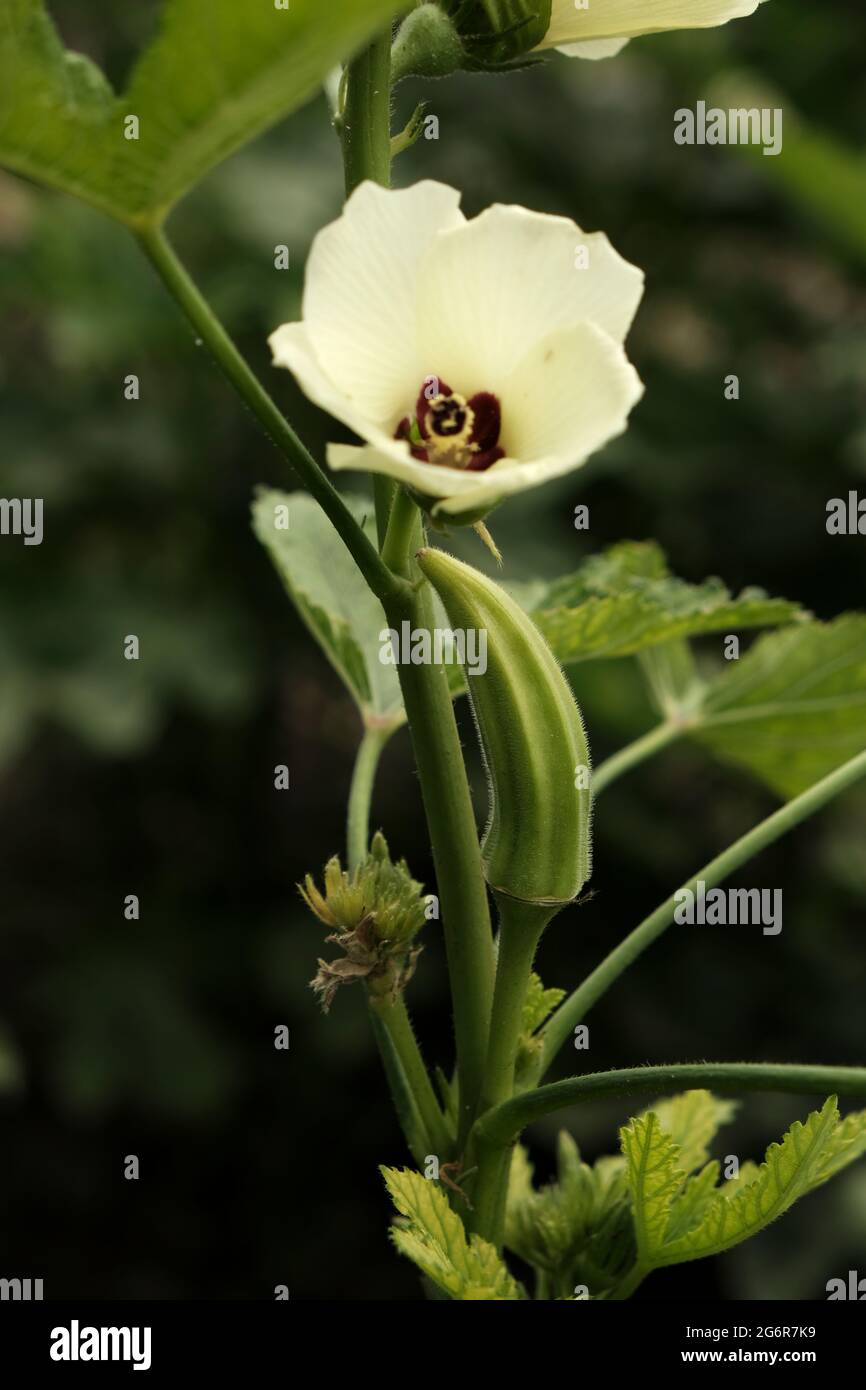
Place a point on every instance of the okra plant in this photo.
(473, 359)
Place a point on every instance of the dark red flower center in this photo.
(452, 432)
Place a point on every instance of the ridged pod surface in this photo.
(536, 846)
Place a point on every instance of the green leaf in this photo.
(217, 74)
(692, 1120)
(667, 1142)
(747, 1173)
(693, 1202)
(59, 120)
(654, 1179)
(537, 1008)
(538, 1004)
(326, 587)
(577, 1230)
(434, 1238)
(849, 1143)
(625, 600)
(545, 1227)
(610, 1225)
(793, 708)
(700, 1220)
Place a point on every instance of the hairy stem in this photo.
(575, 1008)
(361, 791)
(520, 928)
(212, 333)
(456, 852)
(366, 135)
(383, 496)
(430, 1135)
(403, 533)
(366, 118)
(503, 1124)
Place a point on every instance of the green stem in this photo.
(504, 1124)
(366, 117)
(456, 855)
(573, 1010)
(634, 753)
(520, 928)
(366, 135)
(383, 496)
(361, 791)
(433, 1137)
(402, 532)
(451, 823)
(212, 333)
(542, 1285)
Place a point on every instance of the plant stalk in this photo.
(503, 1124)
(212, 333)
(360, 793)
(366, 117)
(578, 1004)
(431, 1135)
(366, 137)
(520, 927)
(456, 851)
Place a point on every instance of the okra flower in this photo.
(601, 28)
(474, 358)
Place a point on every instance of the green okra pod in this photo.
(536, 847)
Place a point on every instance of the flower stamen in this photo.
(452, 432)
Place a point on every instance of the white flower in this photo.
(474, 358)
(600, 28)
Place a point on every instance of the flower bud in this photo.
(374, 913)
(500, 32)
(427, 45)
(536, 846)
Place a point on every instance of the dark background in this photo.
(156, 778)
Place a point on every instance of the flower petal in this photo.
(360, 291)
(606, 19)
(291, 348)
(392, 457)
(568, 396)
(592, 48)
(492, 287)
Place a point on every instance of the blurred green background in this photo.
(156, 778)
